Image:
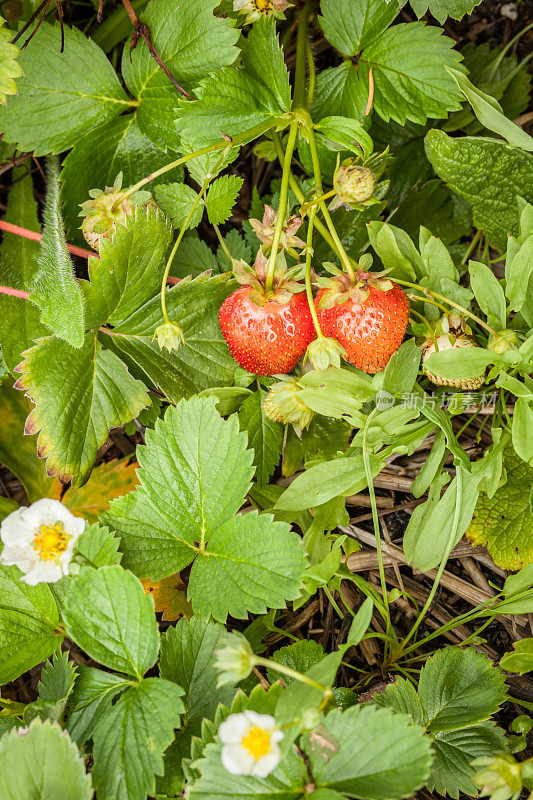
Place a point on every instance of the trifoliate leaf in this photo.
(408, 67)
(41, 763)
(503, 522)
(194, 256)
(192, 43)
(252, 563)
(264, 435)
(351, 25)
(170, 597)
(187, 658)
(129, 269)
(203, 361)
(441, 9)
(131, 738)
(233, 100)
(454, 752)
(61, 94)
(28, 624)
(97, 158)
(177, 201)
(372, 753)
(195, 471)
(489, 174)
(78, 396)
(108, 480)
(459, 688)
(54, 287)
(221, 198)
(111, 618)
(93, 693)
(17, 452)
(19, 320)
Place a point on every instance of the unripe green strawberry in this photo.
(447, 341)
(505, 340)
(282, 404)
(353, 183)
(106, 209)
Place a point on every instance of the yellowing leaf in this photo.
(170, 597)
(107, 482)
(504, 522)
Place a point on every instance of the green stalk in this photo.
(235, 142)
(312, 73)
(292, 673)
(282, 210)
(375, 518)
(327, 216)
(442, 565)
(308, 285)
(301, 57)
(177, 243)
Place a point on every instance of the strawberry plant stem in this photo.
(301, 57)
(36, 237)
(282, 209)
(292, 673)
(449, 547)
(308, 259)
(375, 518)
(252, 133)
(14, 292)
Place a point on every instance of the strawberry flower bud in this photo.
(234, 660)
(353, 184)
(505, 340)
(169, 336)
(282, 404)
(325, 352)
(256, 9)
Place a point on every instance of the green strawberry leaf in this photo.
(19, 320)
(503, 522)
(17, 452)
(441, 9)
(242, 563)
(221, 198)
(339, 92)
(192, 43)
(129, 270)
(129, 741)
(407, 62)
(351, 25)
(520, 659)
(28, 624)
(54, 287)
(203, 361)
(61, 95)
(93, 693)
(489, 174)
(98, 616)
(97, 158)
(234, 100)
(187, 658)
(177, 200)
(373, 753)
(300, 656)
(41, 763)
(79, 395)
(264, 435)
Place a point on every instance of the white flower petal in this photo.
(264, 721)
(43, 572)
(236, 760)
(232, 730)
(14, 529)
(48, 512)
(265, 765)
(276, 736)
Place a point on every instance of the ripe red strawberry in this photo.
(266, 339)
(368, 318)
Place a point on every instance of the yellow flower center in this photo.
(51, 541)
(257, 742)
(264, 5)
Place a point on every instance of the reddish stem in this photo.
(14, 292)
(36, 237)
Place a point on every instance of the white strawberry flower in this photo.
(255, 9)
(39, 539)
(250, 744)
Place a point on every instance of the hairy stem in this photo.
(308, 285)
